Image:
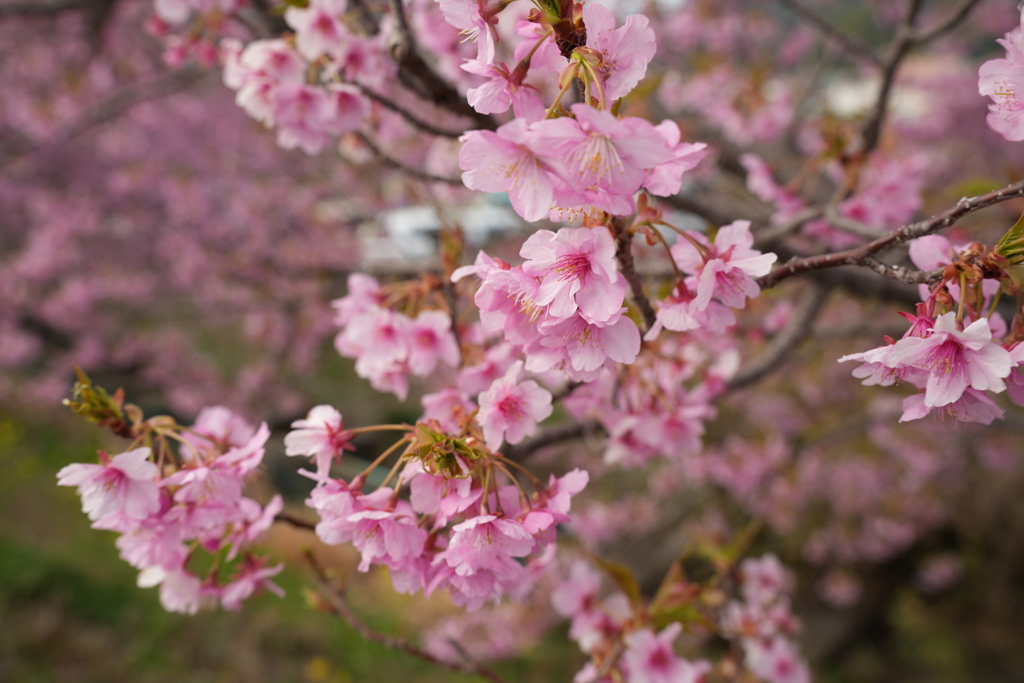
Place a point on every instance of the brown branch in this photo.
(698, 208)
(871, 131)
(409, 116)
(786, 340)
(335, 596)
(387, 160)
(624, 255)
(567, 431)
(294, 520)
(777, 231)
(910, 276)
(844, 41)
(847, 224)
(948, 24)
(415, 74)
(864, 255)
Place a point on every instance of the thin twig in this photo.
(871, 131)
(624, 255)
(698, 208)
(415, 74)
(910, 276)
(862, 256)
(846, 42)
(955, 18)
(409, 116)
(336, 597)
(294, 520)
(387, 160)
(567, 431)
(850, 225)
(786, 340)
(777, 231)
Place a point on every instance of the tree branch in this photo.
(948, 24)
(566, 431)
(786, 340)
(409, 116)
(871, 131)
(387, 160)
(339, 606)
(863, 255)
(696, 207)
(777, 231)
(624, 255)
(294, 520)
(844, 41)
(420, 77)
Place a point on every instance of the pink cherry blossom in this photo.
(504, 89)
(665, 179)
(972, 406)
(601, 156)
(364, 295)
(679, 312)
(318, 27)
(625, 51)
(1015, 380)
(505, 161)
(449, 407)
(764, 579)
(577, 270)
(578, 594)
(220, 427)
(127, 483)
(475, 20)
(251, 577)
(1003, 81)
(387, 537)
(587, 346)
(955, 360)
(510, 409)
(776, 661)
(485, 542)
(431, 340)
(322, 436)
(728, 269)
(649, 658)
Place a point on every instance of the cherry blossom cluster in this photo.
(599, 623)
(659, 406)
(563, 307)
(559, 168)
(167, 509)
(763, 624)
(951, 356)
(467, 526)
(270, 77)
(719, 276)
(389, 345)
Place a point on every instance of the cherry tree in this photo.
(722, 206)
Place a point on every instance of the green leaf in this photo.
(1011, 246)
(685, 614)
(623, 577)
